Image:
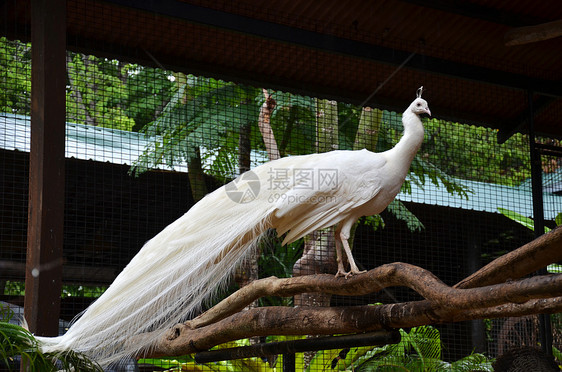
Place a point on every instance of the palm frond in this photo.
(17, 342)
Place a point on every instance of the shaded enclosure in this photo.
(166, 101)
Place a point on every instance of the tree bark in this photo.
(447, 304)
(493, 297)
(368, 131)
(264, 123)
(75, 92)
(196, 177)
(327, 131)
(317, 258)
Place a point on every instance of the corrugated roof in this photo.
(486, 197)
(83, 142)
(87, 142)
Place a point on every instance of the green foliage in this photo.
(16, 341)
(15, 288)
(82, 291)
(525, 221)
(348, 120)
(473, 153)
(557, 354)
(277, 260)
(204, 113)
(15, 76)
(148, 90)
(419, 350)
(97, 91)
(294, 123)
(100, 91)
(399, 210)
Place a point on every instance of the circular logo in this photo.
(244, 189)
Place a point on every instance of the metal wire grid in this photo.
(111, 210)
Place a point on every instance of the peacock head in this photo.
(419, 106)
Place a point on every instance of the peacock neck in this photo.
(411, 140)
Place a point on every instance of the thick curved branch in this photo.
(374, 280)
(526, 259)
(469, 299)
(330, 320)
(448, 304)
(529, 258)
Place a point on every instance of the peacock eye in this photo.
(419, 104)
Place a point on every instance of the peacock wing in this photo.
(357, 181)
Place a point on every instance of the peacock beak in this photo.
(427, 111)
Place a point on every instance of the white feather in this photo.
(186, 263)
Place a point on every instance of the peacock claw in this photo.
(349, 274)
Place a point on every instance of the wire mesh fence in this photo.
(144, 144)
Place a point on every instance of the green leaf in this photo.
(16, 340)
(558, 219)
(399, 210)
(472, 362)
(525, 221)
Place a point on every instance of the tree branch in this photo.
(526, 259)
(484, 294)
(264, 123)
(329, 320)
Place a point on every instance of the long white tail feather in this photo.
(169, 279)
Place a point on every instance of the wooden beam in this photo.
(532, 34)
(71, 274)
(46, 173)
(477, 11)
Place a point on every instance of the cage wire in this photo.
(143, 144)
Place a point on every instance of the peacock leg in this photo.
(354, 269)
(342, 236)
(339, 257)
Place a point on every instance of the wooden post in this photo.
(46, 172)
(545, 327)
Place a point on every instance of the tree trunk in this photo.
(318, 255)
(368, 131)
(248, 271)
(244, 149)
(196, 177)
(264, 123)
(75, 92)
(319, 247)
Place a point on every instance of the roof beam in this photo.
(484, 13)
(532, 34)
(518, 124)
(353, 48)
